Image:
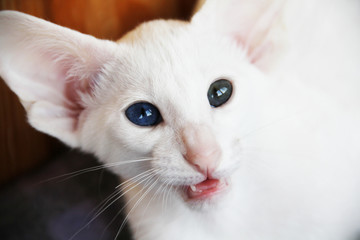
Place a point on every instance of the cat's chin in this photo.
(206, 193)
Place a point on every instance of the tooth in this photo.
(193, 188)
(222, 181)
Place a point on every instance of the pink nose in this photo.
(202, 149)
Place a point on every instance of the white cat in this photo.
(243, 123)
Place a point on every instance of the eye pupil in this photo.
(143, 114)
(219, 92)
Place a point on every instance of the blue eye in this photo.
(143, 114)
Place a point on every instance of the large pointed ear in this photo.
(50, 67)
(256, 25)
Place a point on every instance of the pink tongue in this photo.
(207, 184)
(204, 189)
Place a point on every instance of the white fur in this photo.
(289, 135)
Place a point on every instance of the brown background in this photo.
(21, 147)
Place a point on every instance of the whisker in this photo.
(100, 206)
(167, 185)
(67, 176)
(146, 180)
(128, 185)
(135, 205)
(166, 193)
(113, 201)
(157, 193)
(124, 206)
(134, 178)
(123, 193)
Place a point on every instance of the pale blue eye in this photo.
(143, 114)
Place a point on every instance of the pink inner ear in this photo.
(75, 107)
(255, 25)
(73, 87)
(72, 76)
(50, 68)
(43, 78)
(258, 55)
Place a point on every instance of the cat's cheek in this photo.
(136, 140)
(111, 138)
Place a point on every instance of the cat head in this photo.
(161, 106)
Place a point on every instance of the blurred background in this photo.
(21, 147)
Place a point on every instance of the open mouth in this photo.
(206, 189)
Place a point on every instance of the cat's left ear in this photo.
(256, 25)
(50, 68)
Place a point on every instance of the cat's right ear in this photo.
(255, 25)
(50, 68)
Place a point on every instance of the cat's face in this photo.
(192, 84)
(172, 67)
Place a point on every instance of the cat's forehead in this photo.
(168, 62)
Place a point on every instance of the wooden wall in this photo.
(21, 147)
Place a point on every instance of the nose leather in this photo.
(202, 148)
